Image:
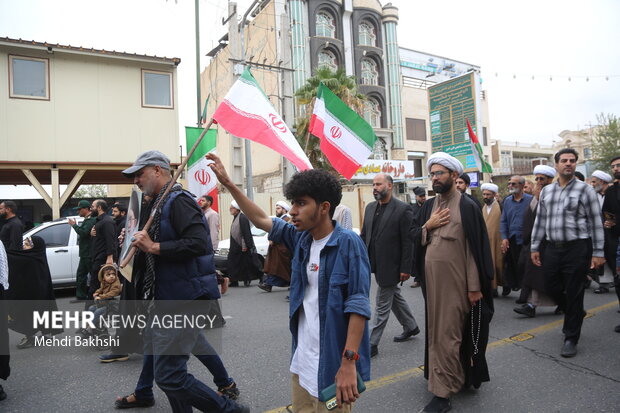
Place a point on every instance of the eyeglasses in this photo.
(436, 173)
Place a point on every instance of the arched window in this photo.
(368, 35)
(370, 73)
(379, 151)
(325, 25)
(372, 113)
(328, 59)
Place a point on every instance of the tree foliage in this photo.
(606, 142)
(343, 86)
(91, 191)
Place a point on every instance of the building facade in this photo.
(71, 115)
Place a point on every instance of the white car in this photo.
(261, 243)
(62, 249)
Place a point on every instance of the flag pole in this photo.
(132, 250)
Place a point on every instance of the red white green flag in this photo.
(346, 139)
(200, 177)
(246, 112)
(483, 166)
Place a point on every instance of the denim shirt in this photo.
(511, 222)
(344, 286)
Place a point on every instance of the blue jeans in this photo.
(202, 351)
(166, 351)
(99, 312)
(275, 281)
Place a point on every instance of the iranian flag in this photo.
(200, 178)
(476, 148)
(246, 112)
(346, 139)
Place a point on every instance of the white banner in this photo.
(398, 170)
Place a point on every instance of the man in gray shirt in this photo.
(569, 218)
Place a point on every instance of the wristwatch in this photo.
(350, 355)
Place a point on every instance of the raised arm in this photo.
(254, 213)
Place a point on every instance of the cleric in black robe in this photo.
(30, 290)
(475, 234)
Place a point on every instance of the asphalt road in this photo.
(527, 373)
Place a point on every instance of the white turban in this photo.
(235, 205)
(283, 205)
(544, 170)
(446, 160)
(603, 176)
(489, 187)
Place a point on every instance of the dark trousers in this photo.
(81, 278)
(566, 268)
(513, 273)
(169, 350)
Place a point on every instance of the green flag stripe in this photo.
(351, 120)
(206, 145)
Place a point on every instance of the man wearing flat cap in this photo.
(84, 243)
(176, 263)
(453, 263)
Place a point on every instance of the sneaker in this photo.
(232, 392)
(110, 358)
(526, 310)
(265, 287)
(26, 342)
(2, 393)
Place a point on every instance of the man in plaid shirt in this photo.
(569, 218)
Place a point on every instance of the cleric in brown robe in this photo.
(453, 260)
(492, 213)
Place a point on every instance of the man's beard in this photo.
(617, 175)
(279, 214)
(513, 191)
(440, 188)
(488, 201)
(380, 195)
(3, 215)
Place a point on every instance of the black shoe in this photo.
(122, 403)
(505, 291)
(495, 293)
(231, 391)
(110, 358)
(265, 287)
(247, 283)
(526, 310)
(617, 328)
(374, 350)
(558, 311)
(407, 334)
(2, 394)
(569, 349)
(601, 290)
(438, 405)
(26, 342)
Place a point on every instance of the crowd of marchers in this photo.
(546, 242)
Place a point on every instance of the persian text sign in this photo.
(450, 104)
(398, 170)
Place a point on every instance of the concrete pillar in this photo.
(55, 194)
(390, 22)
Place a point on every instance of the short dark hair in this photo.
(101, 203)
(120, 207)
(466, 178)
(10, 205)
(208, 198)
(580, 176)
(615, 158)
(318, 184)
(563, 151)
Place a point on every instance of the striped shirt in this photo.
(568, 214)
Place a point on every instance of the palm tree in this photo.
(343, 86)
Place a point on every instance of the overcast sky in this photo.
(527, 38)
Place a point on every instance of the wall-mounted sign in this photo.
(398, 170)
